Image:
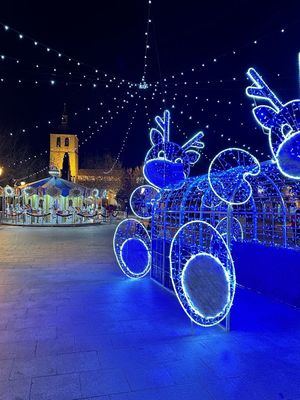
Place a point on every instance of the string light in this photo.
(125, 137)
(235, 51)
(62, 55)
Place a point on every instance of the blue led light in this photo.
(202, 272)
(230, 169)
(282, 123)
(141, 201)
(168, 163)
(131, 245)
(196, 221)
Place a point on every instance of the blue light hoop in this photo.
(282, 124)
(236, 229)
(228, 172)
(131, 245)
(141, 201)
(202, 273)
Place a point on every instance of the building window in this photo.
(58, 142)
(67, 142)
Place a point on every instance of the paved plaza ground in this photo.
(72, 327)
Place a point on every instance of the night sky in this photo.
(110, 36)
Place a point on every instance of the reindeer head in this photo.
(282, 124)
(167, 162)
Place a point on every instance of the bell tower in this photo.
(64, 144)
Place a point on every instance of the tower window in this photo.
(58, 143)
(67, 142)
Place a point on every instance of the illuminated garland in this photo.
(70, 60)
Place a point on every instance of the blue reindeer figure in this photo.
(282, 124)
(166, 163)
(198, 255)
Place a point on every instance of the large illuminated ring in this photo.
(236, 228)
(231, 167)
(141, 201)
(131, 245)
(202, 273)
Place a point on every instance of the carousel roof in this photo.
(52, 181)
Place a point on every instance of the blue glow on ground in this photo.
(79, 329)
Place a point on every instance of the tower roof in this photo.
(64, 120)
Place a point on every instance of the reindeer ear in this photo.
(264, 115)
(156, 137)
(193, 156)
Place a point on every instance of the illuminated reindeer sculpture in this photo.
(168, 163)
(196, 255)
(282, 124)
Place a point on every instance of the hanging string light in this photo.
(143, 84)
(205, 65)
(100, 124)
(33, 174)
(125, 137)
(62, 56)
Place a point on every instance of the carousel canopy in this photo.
(65, 187)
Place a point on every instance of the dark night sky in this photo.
(110, 35)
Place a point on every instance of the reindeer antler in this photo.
(261, 90)
(164, 124)
(195, 142)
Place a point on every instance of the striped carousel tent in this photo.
(43, 186)
(53, 192)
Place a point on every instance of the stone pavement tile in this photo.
(127, 340)
(17, 350)
(189, 372)
(267, 387)
(175, 392)
(94, 342)
(77, 362)
(33, 367)
(61, 345)
(135, 356)
(134, 325)
(95, 398)
(15, 335)
(15, 390)
(5, 369)
(103, 382)
(148, 377)
(56, 387)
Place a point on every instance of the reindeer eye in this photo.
(179, 160)
(161, 154)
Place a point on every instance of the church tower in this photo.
(64, 146)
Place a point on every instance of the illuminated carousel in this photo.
(53, 201)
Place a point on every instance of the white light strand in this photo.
(49, 50)
(147, 46)
(33, 174)
(103, 122)
(125, 138)
(215, 60)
